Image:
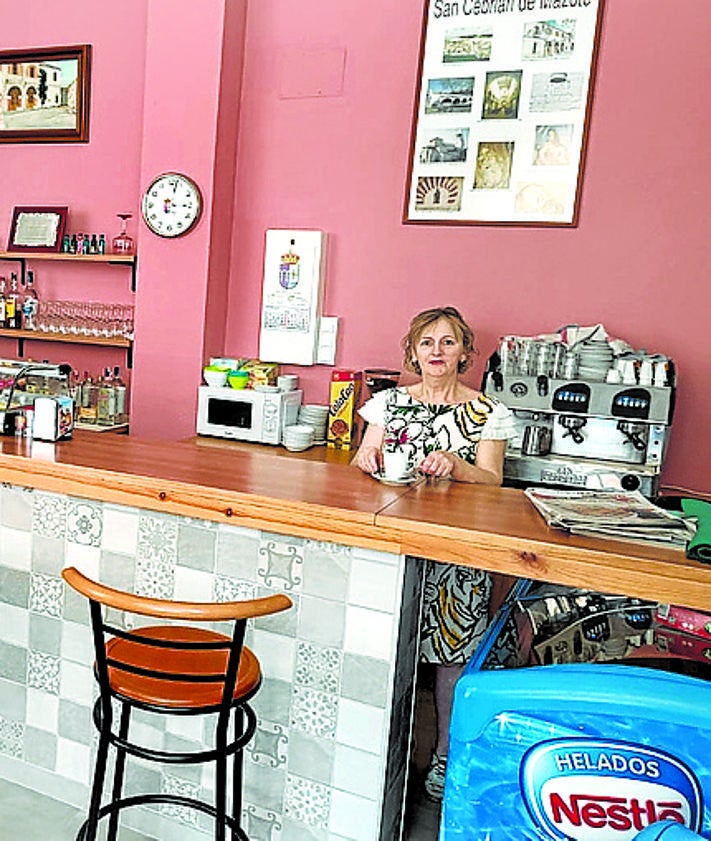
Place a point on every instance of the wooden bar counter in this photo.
(318, 495)
(203, 519)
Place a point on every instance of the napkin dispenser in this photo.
(53, 418)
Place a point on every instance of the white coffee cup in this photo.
(396, 465)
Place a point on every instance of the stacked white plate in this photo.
(596, 357)
(317, 418)
(298, 437)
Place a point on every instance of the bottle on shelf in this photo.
(75, 391)
(105, 400)
(30, 305)
(12, 311)
(120, 392)
(102, 243)
(89, 399)
(93, 245)
(3, 301)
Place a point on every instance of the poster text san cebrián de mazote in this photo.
(454, 8)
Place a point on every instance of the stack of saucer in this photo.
(596, 357)
(298, 437)
(317, 418)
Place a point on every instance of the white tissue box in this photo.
(54, 418)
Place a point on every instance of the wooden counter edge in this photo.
(597, 566)
(247, 510)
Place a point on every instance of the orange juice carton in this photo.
(344, 400)
(260, 373)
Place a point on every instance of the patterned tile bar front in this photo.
(318, 767)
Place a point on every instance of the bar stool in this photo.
(171, 669)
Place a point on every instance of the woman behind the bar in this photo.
(450, 431)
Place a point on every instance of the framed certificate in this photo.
(37, 229)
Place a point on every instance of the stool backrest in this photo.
(188, 664)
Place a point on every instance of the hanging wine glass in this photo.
(122, 243)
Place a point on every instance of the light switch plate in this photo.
(327, 335)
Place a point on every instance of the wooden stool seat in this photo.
(181, 694)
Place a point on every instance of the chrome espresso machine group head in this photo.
(605, 425)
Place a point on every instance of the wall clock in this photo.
(172, 204)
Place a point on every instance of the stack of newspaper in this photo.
(622, 515)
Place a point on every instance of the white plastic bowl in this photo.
(214, 378)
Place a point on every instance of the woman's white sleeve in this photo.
(499, 425)
(373, 410)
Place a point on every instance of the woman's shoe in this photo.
(434, 779)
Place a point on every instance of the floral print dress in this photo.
(455, 611)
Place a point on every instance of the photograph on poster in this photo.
(439, 193)
(445, 145)
(467, 46)
(503, 102)
(493, 166)
(552, 145)
(449, 96)
(501, 95)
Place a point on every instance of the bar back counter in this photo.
(196, 521)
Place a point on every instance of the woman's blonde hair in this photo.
(462, 331)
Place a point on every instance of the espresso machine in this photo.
(588, 415)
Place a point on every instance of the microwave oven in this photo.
(246, 414)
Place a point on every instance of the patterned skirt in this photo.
(455, 613)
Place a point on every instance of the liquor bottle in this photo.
(12, 315)
(75, 391)
(105, 400)
(3, 291)
(120, 393)
(102, 243)
(87, 407)
(93, 245)
(73, 244)
(79, 243)
(86, 244)
(30, 305)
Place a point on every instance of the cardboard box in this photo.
(343, 403)
(685, 619)
(260, 373)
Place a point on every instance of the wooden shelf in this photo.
(93, 427)
(68, 338)
(75, 258)
(21, 257)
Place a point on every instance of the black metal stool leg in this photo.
(119, 770)
(237, 776)
(221, 776)
(88, 832)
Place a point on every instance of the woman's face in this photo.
(439, 350)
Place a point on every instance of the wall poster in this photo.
(499, 131)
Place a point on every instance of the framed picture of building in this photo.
(502, 112)
(45, 95)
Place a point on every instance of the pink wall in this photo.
(95, 180)
(339, 163)
(636, 262)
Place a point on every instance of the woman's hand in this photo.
(486, 470)
(369, 457)
(439, 464)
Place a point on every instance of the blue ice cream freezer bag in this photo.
(576, 752)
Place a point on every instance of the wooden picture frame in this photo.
(45, 95)
(501, 116)
(37, 229)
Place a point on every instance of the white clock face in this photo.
(171, 205)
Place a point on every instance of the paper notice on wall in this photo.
(291, 296)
